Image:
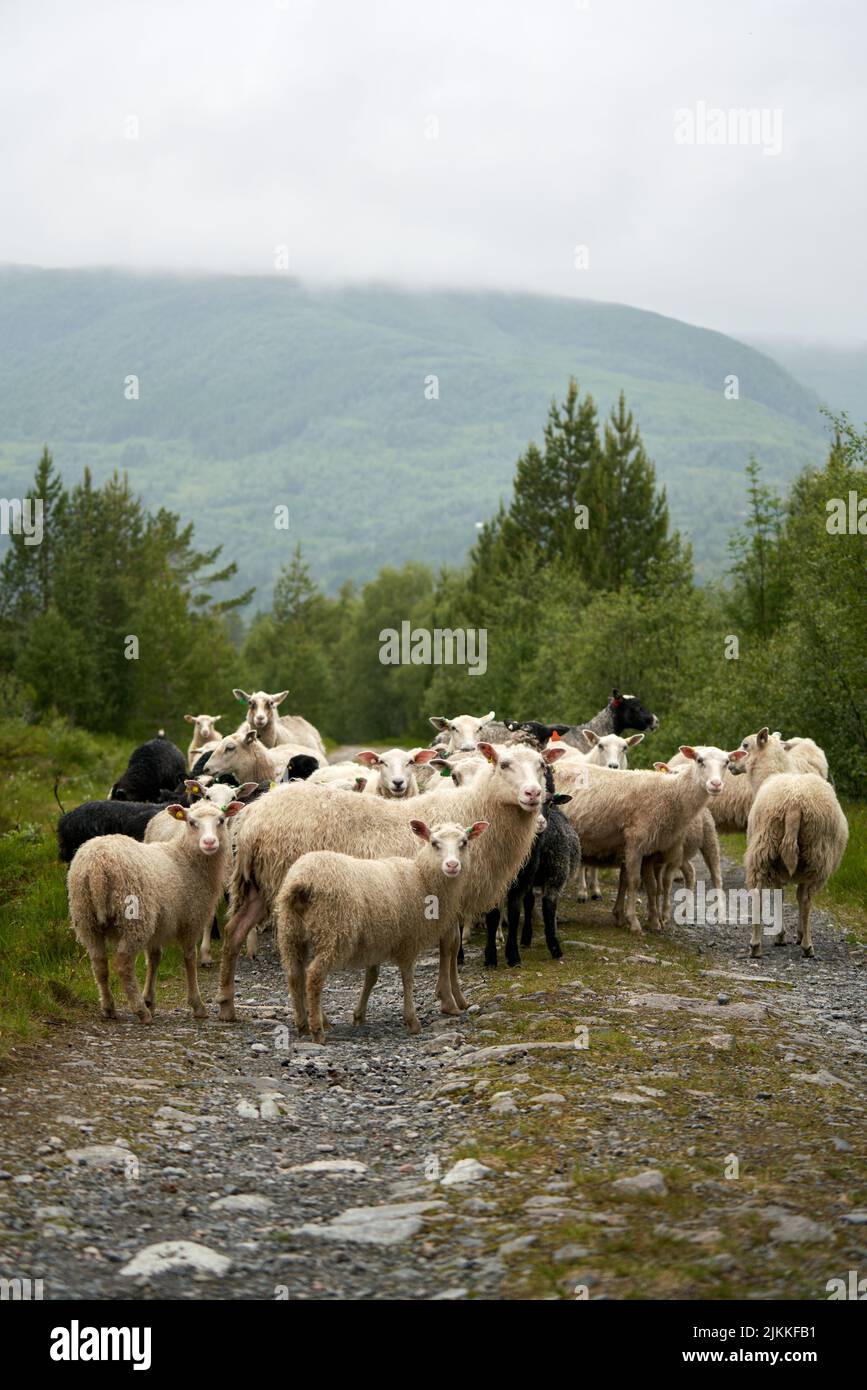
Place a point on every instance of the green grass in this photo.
(45, 975)
(845, 894)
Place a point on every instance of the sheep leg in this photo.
(444, 992)
(805, 904)
(370, 978)
(294, 960)
(454, 978)
(316, 974)
(527, 933)
(513, 913)
(253, 944)
(194, 998)
(410, 1017)
(235, 932)
(632, 863)
(595, 890)
(492, 921)
(154, 955)
(125, 964)
(756, 929)
(99, 966)
(617, 911)
(582, 884)
(205, 949)
(549, 917)
(648, 880)
(460, 943)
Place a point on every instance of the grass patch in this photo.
(845, 894)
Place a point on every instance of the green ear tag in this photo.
(445, 772)
(240, 699)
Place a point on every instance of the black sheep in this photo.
(555, 856)
(102, 818)
(301, 766)
(154, 767)
(539, 734)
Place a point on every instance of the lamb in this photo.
(205, 734)
(292, 820)
(796, 832)
(461, 733)
(627, 818)
(246, 757)
(153, 767)
(604, 750)
(700, 836)
(143, 896)
(334, 912)
(96, 818)
(553, 859)
(272, 729)
(731, 810)
(621, 712)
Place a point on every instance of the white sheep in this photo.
(796, 832)
(336, 912)
(205, 734)
(603, 750)
(246, 757)
(145, 895)
(624, 819)
(395, 770)
(274, 729)
(297, 818)
(461, 733)
(731, 809)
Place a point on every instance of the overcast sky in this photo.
(453, 142)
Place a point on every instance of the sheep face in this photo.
(520, 771)
(628, 712)
(449, 841)
(610, 750)
(462, 732)
(709, 765)
(207, 823)
(206, 731)
(261, 707)
(395, 768)
(225, 756)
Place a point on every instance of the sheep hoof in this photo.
(205, 964)
(556, 951)
(144, 1016)
(779, 940)
(582, 897)
(108, 1014)
(490, 957)
(513, 958)
(412, 1025)
(227, 1013)
(319, 1036)
(808, 952)
(756, 952)
(451, 1009)
(200, 1013)
(597, 897)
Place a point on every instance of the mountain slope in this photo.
(258, 392)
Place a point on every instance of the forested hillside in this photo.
(256, 393)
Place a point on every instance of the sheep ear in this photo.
(190, 718)
(279, 697)
(420, 829)
(250, 736)
(360, 783)
(368, 757)
(486, 718)
(615, 694)
(553, 755)
(488, 751)
(241, 695)
(688, 751)
(179, 812)
(438, 721)
(476, 829)
(233, 808)
(216, 719)
(591, 737)
(246, 789)
(192, 786)
(441, 766)
(661, 767)
(424, 755)
(636, 738)
(762, 736)
(560, 798)
(736, 755)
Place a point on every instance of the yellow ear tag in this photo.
(179, 815)
(271, 786)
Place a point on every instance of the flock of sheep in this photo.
(499, 811)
